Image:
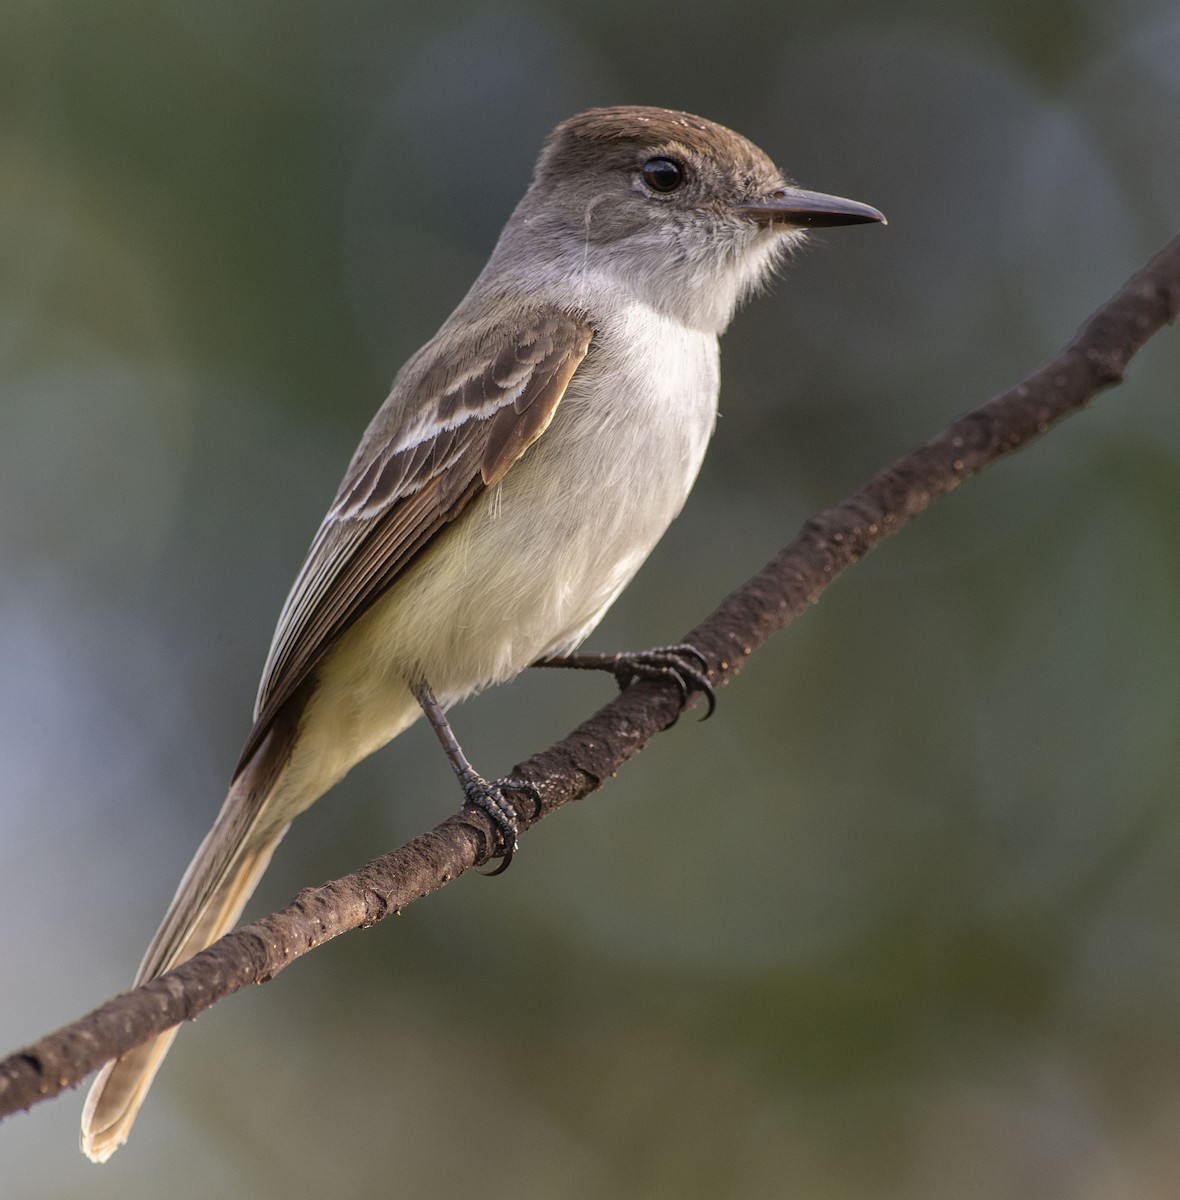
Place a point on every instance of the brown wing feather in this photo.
(400, 491)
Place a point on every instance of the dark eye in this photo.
(662, 174)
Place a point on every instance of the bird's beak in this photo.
(793, 206)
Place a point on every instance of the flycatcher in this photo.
(524, 465)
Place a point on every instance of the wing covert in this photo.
(445, 434)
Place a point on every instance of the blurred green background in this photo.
(902, 922)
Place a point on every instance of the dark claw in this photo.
(488, 796)
(669, 662)
(506, 857)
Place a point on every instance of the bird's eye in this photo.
(662, 174)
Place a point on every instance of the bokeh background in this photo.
(902, 922)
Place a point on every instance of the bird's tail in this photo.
(211, 896)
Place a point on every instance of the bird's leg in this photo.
(486, 795)
(682, 664)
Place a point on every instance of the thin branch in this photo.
(1096, 358)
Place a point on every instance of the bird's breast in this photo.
(533, 564)
(635, 422)
(590, 499)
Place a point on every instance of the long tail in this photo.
(211, 896)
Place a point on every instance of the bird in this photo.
(525, 463)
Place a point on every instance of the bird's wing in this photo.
(448, 432)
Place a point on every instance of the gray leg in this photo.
(486, 795)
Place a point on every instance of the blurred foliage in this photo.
(919, 936)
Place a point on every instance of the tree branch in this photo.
(828, 543)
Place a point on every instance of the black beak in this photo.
(793, 206)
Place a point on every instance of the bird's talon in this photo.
(672, 663)
(489, 797)
(688, 650)
(682, 664)
(506, 861)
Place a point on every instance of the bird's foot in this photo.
(682, 664)
(488, 795)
